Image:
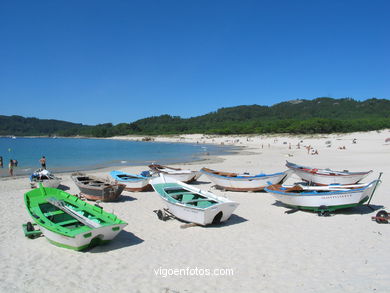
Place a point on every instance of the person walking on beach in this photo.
(43, 162)
(11, 167)
(1, 162)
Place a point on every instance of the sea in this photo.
(80, 154)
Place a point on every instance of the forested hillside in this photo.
(321, 115)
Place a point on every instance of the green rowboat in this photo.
(69, 222)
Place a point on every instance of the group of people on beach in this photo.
(11, 165)
(14, 163)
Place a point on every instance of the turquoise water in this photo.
(72, 154)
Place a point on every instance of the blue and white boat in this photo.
(133, 182)
(323, 198)
(243, 182)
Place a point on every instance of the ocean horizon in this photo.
(81, 154)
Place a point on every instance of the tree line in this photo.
(321, 115)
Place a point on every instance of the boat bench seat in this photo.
(53, 213)
(183, 196)
(200, 203)
(204, 204)
(187, 197)
(67, 222)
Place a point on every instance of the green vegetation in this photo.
(321, 115)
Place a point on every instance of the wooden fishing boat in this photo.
(191, 204)
(323, 198)
(45, 177)
(243, 182)
(183, 175)
(326, 176)
(133, 182)
(96, 188)
(69, 222)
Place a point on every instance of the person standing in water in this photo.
(43, 162)
(11, 167)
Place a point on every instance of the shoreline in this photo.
(240, 144)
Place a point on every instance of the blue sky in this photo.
(92, 61)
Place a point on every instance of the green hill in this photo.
(321, 115)
(17, 125)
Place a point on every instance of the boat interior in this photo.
(187, 197)
(63, 219)
(127, 177)
(91, 181)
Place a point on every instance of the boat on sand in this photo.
(133, 182)
(45, 177)
(243, 182)
(183, 175)
(191, 204)
(323, 198)
(69, 222)
(326, 176)
(97, 188)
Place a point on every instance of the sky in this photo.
(94, 61)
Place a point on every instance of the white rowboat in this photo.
(243, 182)
(326, 176)
(318, 198)
(191, 204)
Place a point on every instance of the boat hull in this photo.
(53, 183)
(107, 194)
(326, 176)
(190, 210)
(146, 187)
(94, 188)
(185, 177)
(201, 217)
(178, 174)
(80, 242)
(321, 179)
(245, 183)
(132, 182)
(330, 201)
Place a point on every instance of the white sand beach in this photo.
(259, 249)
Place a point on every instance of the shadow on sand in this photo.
(125, 198)
(358, 210)
(362, 210)
(233, 220)
(63, 187)
(124, 239)
(197, 182)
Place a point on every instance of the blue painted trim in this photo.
(114, 174)
(243, 177)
